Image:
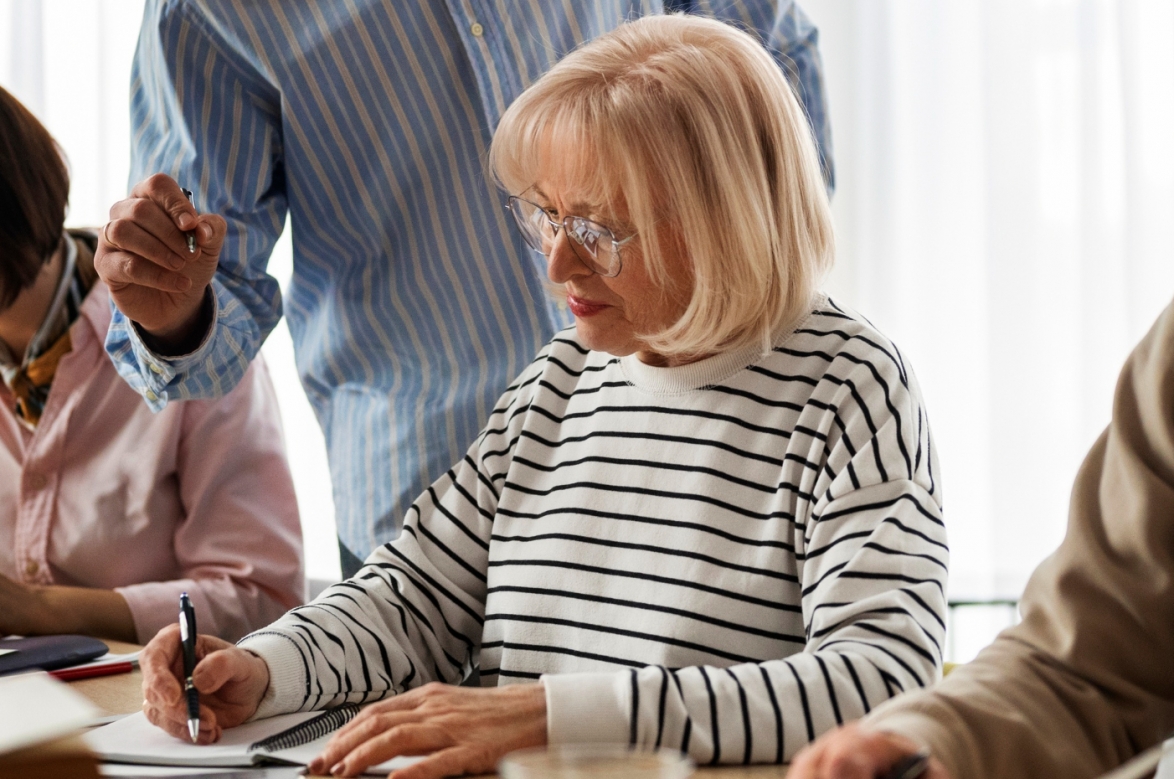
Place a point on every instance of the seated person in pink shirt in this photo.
(108, 511)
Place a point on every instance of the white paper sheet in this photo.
(36, 708)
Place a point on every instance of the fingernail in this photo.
(175, 262)
(338, 769)
(183, 284)
(187, 221)
(205, 232)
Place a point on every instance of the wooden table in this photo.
(117, 694)
(123, 694)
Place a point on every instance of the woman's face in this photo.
(612, 313)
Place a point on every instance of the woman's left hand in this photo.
(464, 730)
(46, 609)
(18, 607)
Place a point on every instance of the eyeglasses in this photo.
(595, 245)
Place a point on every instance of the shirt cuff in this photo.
(159, 371)
(287, 672)
(588, 708)
(154, 605)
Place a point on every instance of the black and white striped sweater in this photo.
(729, 557)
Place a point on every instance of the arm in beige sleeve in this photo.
(1087, 679)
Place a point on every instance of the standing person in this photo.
(107, 511)
(412, 304)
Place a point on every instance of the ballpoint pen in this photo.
(191, 234)
(187, 635)
(910, 767)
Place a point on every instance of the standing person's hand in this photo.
(853, 752)
(154, 280)
(231, 683)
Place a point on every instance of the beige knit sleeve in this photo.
(1087, 679)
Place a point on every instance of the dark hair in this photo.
(34, 192)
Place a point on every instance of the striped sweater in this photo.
(728, 557)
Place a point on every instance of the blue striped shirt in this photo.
(413, 303)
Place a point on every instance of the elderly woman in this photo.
(706, 518)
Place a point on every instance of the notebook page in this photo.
(135, 740)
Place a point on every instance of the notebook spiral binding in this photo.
(326, 722)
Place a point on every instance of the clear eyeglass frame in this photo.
(595, 245)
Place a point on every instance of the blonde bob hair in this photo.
(687, 122)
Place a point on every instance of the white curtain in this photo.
(1005, 213)
(68, 61)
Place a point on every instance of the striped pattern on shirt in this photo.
(413, 301)
(728, 557)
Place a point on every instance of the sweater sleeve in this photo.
(1083, 682)
(414, 613)
(872, 561)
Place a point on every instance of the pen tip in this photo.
(194, 730)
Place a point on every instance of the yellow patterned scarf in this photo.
(31, 383)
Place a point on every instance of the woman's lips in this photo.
(582, 307)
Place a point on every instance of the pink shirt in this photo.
(197, 498)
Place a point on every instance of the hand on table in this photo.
(18, 608)
(50, 609)
(231, 683)
(143, 257)
(853, 752)
(464, 730)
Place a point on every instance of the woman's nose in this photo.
(562, 264)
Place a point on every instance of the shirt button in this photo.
(155, 368)
(150, 395)
(37, 481)
(477, 30)
(31, 568)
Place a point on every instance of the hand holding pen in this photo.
(229, 681)
(158, 254)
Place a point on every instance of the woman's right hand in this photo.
(230, 680)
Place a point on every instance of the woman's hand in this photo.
(143, 257)
(465, 730)
(19, 608)
(51, 609)
(231, 683)
(852, 752)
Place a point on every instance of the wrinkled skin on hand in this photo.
(143, 257)
(464, 730)
(231, 683)
(853, 752)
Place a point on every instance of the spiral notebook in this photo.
(288, 739)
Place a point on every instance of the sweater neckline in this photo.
(704, 373)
